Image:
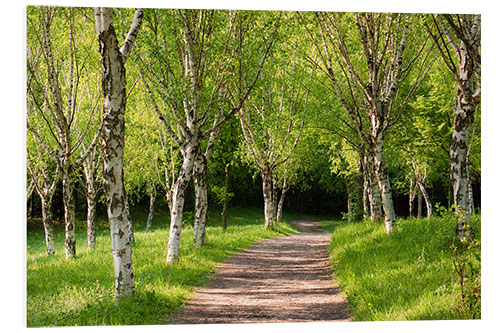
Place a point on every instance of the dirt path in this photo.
(284, 279)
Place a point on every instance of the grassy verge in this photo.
(407, 275)
(81, 292)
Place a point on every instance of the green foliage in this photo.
(68, 293)
(221, 194)
(408, 274)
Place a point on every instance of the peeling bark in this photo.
(129, 220)
(461, 35)
(458, 166)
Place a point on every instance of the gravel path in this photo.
(283, 279)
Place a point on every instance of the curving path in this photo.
(284, 279)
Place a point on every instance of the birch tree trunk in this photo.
(411, 198)
(48, 225)
(178, 195)
(426, 197)
(201, 199)
(279, 210)
(114, 104)
(274, 193)
(373, 190)
(69, 214)
(152, 199)
(366, 202)
(464, 118)
(461, 35)
(267, 191)
(91, 213)
(458, 171)
(385, 187)
(129, 219)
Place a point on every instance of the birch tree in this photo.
(186, 81)
(58, 95)
(458, 39)
(45, 175)
(114, 82)
(272, 124)
(368, 86)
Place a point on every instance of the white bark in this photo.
(366, 199)
(114, 102)
(411, 198)
(178, 195)
(426, 197)
(129, 220)
(267, 189)
(464, 118)
(461, 34)
(458, 167)
(385, 187)
(279, 210)
(373, 189)
(69, 214)
(152, 198)
(48, 225)
(201, 199)
(91, 220)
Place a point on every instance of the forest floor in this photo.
(285, 279)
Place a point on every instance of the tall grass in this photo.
(407, 275)
(81, 291)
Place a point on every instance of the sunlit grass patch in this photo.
(406, 275)
(81, 291)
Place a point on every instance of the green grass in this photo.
(81, 291)
(406, 275)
